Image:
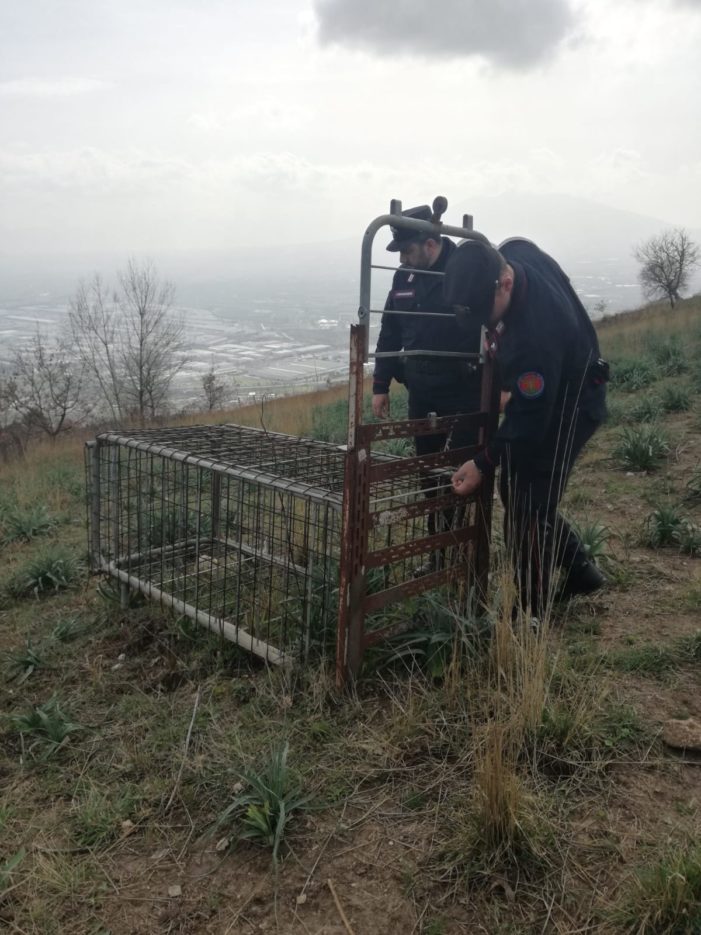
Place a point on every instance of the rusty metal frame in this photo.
(469, 542)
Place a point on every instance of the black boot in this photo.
(584, 578)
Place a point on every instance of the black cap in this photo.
(402, 237)
(471, 277)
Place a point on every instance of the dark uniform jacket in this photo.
(412, 293)
(546, 348)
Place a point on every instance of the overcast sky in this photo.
(148, 125)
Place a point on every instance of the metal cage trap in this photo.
(288, 545)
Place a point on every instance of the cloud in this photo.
(512, 33)
(55, 87)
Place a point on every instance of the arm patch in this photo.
(531, 385)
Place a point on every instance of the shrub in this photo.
(53, 569)
(641, 449)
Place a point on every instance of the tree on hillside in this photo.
(44, 388)
(665, 264)
(215, 390)
(130, 343)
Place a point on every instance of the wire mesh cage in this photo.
(235, 527)
(241, 529)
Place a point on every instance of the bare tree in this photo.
(132, 345)
(665, 264)
(214, 389)
(44, 387)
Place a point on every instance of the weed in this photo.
(8, 868)
(676, 398)
(668, 355)
(641, 449)
(665, 898)
(268, 801)
(647, 409)
(68, 629)
(690, 646)
(46, 726)
(693, 485)
(661, 526)
(23, 662)
(54, 568)
(594, 538)
(649, 659)
(22, 524)
(96, 819)
(633, 373)
(688, 537)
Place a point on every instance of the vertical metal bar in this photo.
(483, 518)
(216, 503)
(351, 583)
(93, 457)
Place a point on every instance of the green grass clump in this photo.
(692, 492)
(633, 373)
(662, 526)
(46, 727)
(23, 662)
(22, 524)
(688, 537)
(54, 568)
(97, 816)
(668, 355)
(641, 449)
(270, 797)
(665, 897)
(594, 538)
(647, 409)
(649, 659)
(676, 398)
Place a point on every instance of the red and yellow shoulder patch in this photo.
(531, 384)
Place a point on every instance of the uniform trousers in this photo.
(539, 539)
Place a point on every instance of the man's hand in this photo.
(503, 400)
(467, 479)
(380, 405)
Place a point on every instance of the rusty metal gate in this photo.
(385, 502)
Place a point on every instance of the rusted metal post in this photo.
(347, 647)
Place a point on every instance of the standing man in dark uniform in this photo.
(444, 385)
(548, 357)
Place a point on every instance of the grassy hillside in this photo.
(481, 779)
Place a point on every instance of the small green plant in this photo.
(662, 526)
(641, 448)
(68, 629)
(8, 868)
(22, 524)
(692, 492)
(647, 409)
(688, 537)
(676, 398)
(46, 727)
(594, 538)
(668, 355)
(23, 662)
(633, 373)
(97, 817)
(665, 898)
(53, 569)
(269, 799)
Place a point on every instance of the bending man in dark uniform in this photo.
(444, 385)
(548, 357)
